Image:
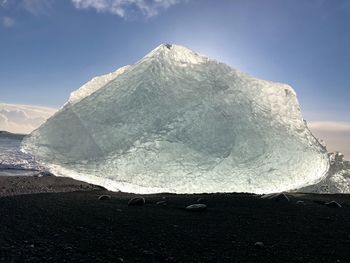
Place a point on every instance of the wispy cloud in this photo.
(38, 7)
(3, 3)
(126, 8)
(122, 8)
(35, 7)
(330, 126)
(7, 21)
(335, 134)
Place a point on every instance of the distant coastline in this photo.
(10, 134)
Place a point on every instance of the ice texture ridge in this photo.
(179, 122)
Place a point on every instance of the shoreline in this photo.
(54, 219)
(11, 185)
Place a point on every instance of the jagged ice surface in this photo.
(179, 122)
(96, 83)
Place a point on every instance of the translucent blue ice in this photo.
(180, 122)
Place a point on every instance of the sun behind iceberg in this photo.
(183, 123)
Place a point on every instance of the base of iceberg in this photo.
(337, 180)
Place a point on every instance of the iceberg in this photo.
(180, 122)
(337, 180)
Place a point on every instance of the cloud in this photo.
(122, 8)
(3, 120)
(23, 118)
(7, 21)
(3, 3)
(335, 134)
(331, 126)
(37, 7)
(125, 8)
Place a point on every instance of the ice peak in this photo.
(93, 85)
(177, 53)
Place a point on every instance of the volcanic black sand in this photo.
(75, 226)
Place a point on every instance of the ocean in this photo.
(12, 160)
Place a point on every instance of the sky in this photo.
(48, 48)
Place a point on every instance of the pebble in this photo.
(104, 197)
(161, 203)
(147, 253)
(137, 201)
(299, 202)
(267, 196)
(196, 207)
(281, 197)
(201, 200)
(333, 204)
(259, 244)
(45, 173)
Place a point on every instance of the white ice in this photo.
(180, 122)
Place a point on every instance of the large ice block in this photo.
(180, 122)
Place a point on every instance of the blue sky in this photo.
(49, 48)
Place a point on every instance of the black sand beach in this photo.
(53, 219)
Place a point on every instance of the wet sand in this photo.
(53, 219)
(16, 185)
